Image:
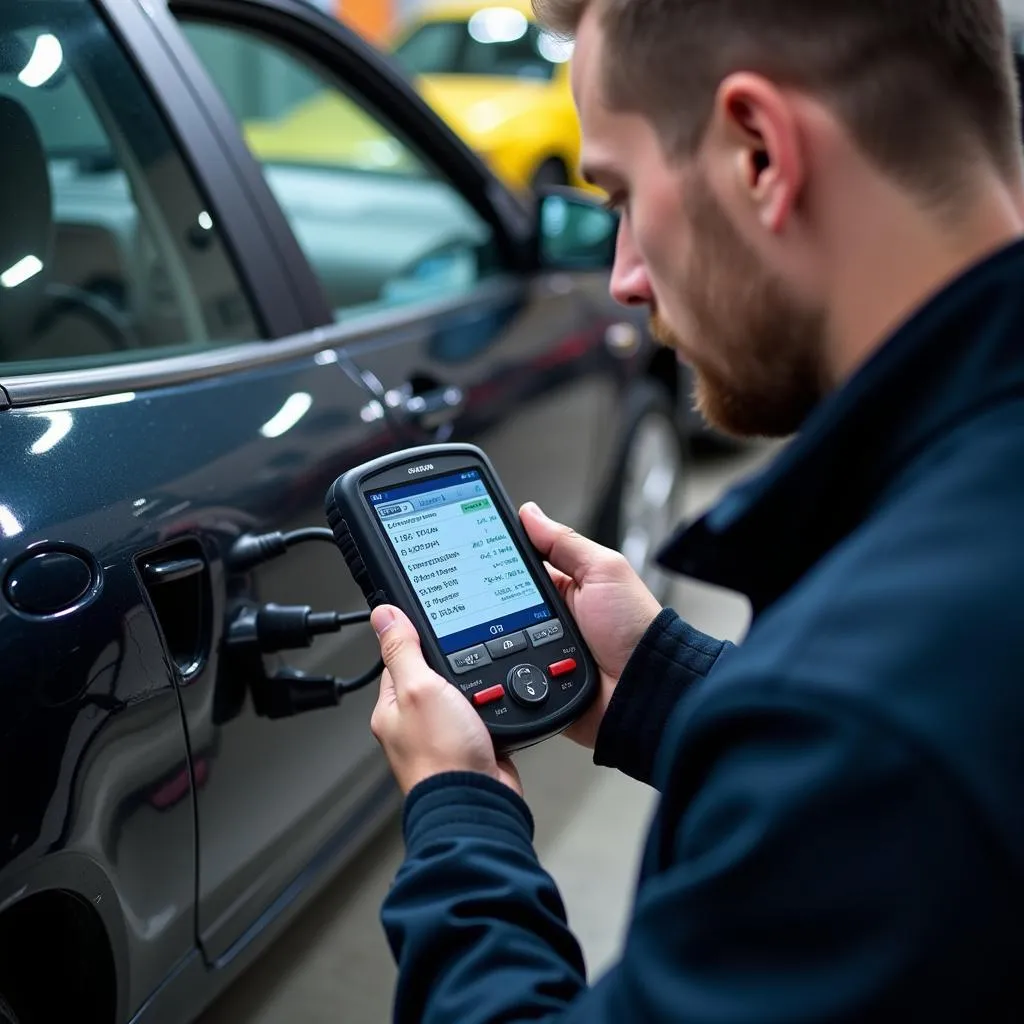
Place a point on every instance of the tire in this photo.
(7, 1015)
(551, 172)
(644, 502)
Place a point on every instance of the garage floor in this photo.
(333, 966)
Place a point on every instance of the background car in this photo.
(502, 83)
(200, 328)
(498, 80)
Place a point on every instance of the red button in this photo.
(562, 668)
(489, 695)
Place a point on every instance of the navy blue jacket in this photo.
(840, 835)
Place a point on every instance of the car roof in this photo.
(458, 10)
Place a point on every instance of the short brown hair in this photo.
(926, 87)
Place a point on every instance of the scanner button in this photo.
(469, 659)
(504, 646)
(563, 668)
(545, 633)
(528, 685)
(489, 696)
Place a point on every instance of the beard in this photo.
(754, 347)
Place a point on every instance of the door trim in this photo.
(321, 342)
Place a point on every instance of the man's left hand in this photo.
(424, 724)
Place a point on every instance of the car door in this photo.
(160, 396)
(410, 236)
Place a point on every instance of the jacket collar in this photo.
(961, 352)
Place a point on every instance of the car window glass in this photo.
(107, 251)
(380, 226)
(497, 42)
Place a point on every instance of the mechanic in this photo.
(821, 203)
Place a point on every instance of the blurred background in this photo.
(498, 80)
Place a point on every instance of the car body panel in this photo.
(273, 791)
(533, 368)
(89, 699)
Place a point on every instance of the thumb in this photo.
(399, 645)
(560, 545)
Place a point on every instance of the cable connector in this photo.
(254, 549)
(291, 692)
(255, 630)
(278, 627)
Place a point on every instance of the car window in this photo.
(379, 224)
(107, 250)
(495, 41)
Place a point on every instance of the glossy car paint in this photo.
(89, 697)
(194, 828)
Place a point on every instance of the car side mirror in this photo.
(574, 230)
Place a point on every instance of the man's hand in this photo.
(609, 602)
(424, 724)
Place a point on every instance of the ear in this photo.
(759, 137)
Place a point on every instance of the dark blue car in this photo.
(194, 343)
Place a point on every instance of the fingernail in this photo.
(534, 509)
(382, 619)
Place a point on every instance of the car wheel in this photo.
(551, 172)
(646, 495)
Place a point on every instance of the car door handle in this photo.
(435, 408)
(176, 578)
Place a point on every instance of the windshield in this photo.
(496, 41)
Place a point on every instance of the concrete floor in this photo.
(333, 965)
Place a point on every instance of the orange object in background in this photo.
(372, 19)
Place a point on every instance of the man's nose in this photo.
(629, 284)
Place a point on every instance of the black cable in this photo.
(275, 627)
(270, 628)
(351, 685)
(308, 533)
(254, 549)
(290, 692)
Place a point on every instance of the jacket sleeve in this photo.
(670, 658)
(805, 866)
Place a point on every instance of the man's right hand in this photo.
(608, 600)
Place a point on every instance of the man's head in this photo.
(758, 150)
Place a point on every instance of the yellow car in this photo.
(500, 82)
(329, 130)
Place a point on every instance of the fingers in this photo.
(563, 547)
(399, 647)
